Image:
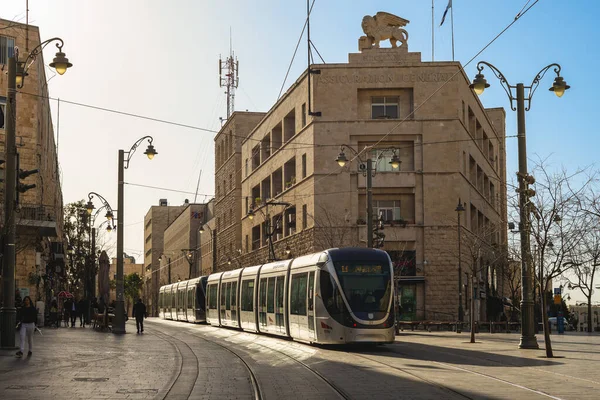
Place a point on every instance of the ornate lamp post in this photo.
(528, 340)
(119, 322)
(459, 209)
(17, 71)
(91, 280)
(366, 167)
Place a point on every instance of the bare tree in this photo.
(332, 229)
(555, 228)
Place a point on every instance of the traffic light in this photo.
(23, 174)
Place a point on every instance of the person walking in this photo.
(27, 318)
(81, 310)
(67, 307)
(73, 312)
(139, 312)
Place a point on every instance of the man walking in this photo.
(139, 312)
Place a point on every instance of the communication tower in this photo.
(228, 78)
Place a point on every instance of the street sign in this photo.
(557, 299)
(556, 290)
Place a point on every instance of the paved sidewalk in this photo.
(81, 363)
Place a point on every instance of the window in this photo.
(388, 210)
(271, 295)
(303, 115)
(7, 49)
(279, 320)
(234, 301)
(303, 166)
(262, 302)
(247, 294)
(384, 107)
(2, 111)
(383, 161)
(246, 167)
(298, 295)
(212, 297)
(304, 216)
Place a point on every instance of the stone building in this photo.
(40, 268)
(157, 219)
(180, 255)
(384, 102)
(129, 267)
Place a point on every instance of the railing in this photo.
(35, 212)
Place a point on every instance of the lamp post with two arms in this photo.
(459, 209)
(213, 240)
(366, 168)
(124, 158)
(110, 217)
(17, 71)
(516, 93)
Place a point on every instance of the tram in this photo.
(336, 296)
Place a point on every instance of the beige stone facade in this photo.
(383, 99)
(180, 246)
(129, 267)
(157, 219)
(40, 265)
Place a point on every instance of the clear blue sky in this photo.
(159, 59)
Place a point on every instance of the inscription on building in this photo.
(385, 78)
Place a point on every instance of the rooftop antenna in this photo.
(228, 77)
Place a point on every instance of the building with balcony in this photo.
(40, 267)
(384, 101)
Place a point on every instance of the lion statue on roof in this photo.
(383, 26)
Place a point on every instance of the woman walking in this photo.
(27, 319)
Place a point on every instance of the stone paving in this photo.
(174, 360)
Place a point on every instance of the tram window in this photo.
(247, 295)
(233, 294)
(228, 296)
(271, 295)
(212, 297)
(262, 308)
(222, 295)
(279, 301)
(298, 295)
(311, 290)
(331, 295)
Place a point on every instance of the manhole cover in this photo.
(137, 391)
(26, 387)
(90, 379)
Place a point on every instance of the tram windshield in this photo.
(366, 286)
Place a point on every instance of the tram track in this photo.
(339, 392)
(257, 393)
(171, 339)
(465, 370)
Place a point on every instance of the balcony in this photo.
(36, 220)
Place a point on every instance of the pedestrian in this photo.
(139, 312)
(81, 311)
(73, 312)
(67, 307)
(27, 318)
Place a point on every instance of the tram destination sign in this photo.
(361, 269)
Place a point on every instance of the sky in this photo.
(159, 59)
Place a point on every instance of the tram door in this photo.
(298, 306)
(271, 304)
(311, 306)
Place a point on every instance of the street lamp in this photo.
(213, 238)
(366, 167)
(17, 72)
(119, 321)
(459, 209)
(90, 284)
(528, 340)
(190, 257)
(270, 230)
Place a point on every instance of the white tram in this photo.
(183, 301)
(334, 296)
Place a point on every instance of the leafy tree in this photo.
(76, 222)
(132, 286)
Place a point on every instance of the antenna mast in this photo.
(228, 77)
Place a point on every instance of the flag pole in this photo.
(452, 28)
(432, 33)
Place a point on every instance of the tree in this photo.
(76, 222)
(556, 228)
(132, 285)
(333, 229)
